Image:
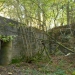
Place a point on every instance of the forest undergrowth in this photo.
(57, 65)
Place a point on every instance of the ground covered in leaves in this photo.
(58, 65)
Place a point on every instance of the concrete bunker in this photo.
(7, 30)
(27, 44)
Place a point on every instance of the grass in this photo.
(59, 66)
(44, 71)
(56, 66)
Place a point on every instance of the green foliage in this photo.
(50, 9)
(60, 72)
(16, 61)
(11, 24)
(73, 73)
(32, 72)
(7, 38)
(44, 70)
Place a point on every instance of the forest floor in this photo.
(59, 65)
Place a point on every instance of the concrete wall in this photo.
(30, 44)
(8, 26)
(27, 41)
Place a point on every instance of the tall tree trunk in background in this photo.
(55, 15)
(67, 13)
(44, 28)
(68, 17)
(62, 20)
(44, 18)
(72, 14)
(39, 15)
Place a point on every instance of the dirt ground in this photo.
(63, 62)
(15, 69)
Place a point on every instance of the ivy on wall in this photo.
(7, 38)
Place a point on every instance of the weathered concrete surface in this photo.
(5, 52)
(8, 26)
(27, 41)
(65, 35)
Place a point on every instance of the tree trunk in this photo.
(67, 13)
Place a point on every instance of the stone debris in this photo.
(9, 73)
